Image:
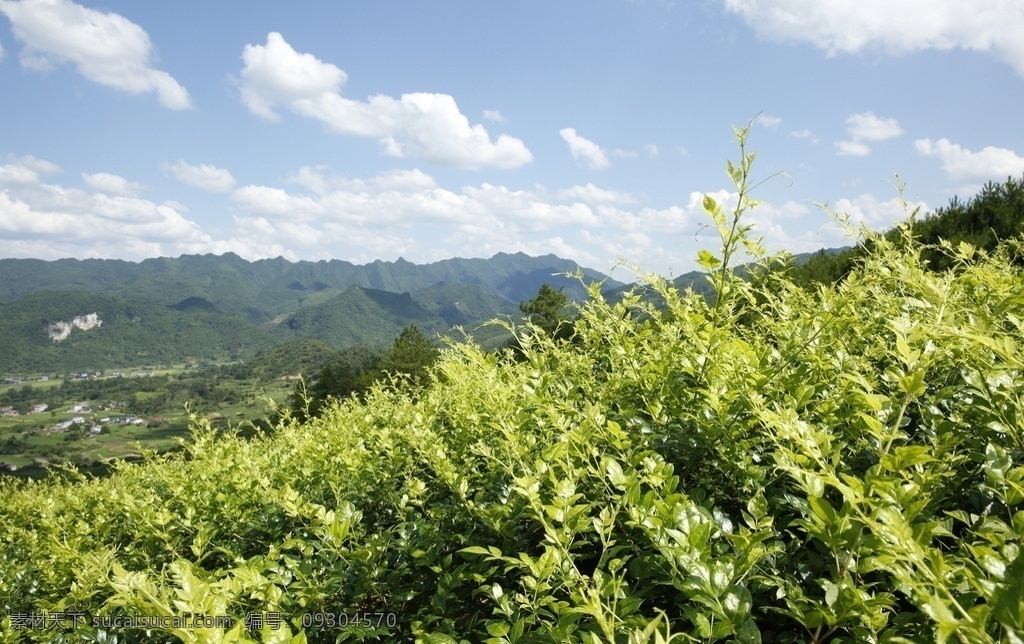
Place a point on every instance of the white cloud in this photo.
(112, 184)
(401, 198)
(584, 149)
(865, 126)
(852, 149)
(805, 134)
(47, 220)
(868, 127)
(105, 48)
(651, 149)
(264, 200)
(420, 125)
(276, 74)
(848, 26)
(25, 170)
(394, 198)
(1, 51)
(768, 121)
(525, 210)
(319, 214)
(495, 116)
(960, 164)
(592, 194)
(878, 215)
(206, 177)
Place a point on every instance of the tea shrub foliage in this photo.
(774, 463)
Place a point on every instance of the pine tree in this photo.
(548, 310)
(411, 354)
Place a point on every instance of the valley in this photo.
(87, 419)
(105, 359)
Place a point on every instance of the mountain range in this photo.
(71, 314)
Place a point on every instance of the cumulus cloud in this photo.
(868, 127)
(960, 164)
(420, 125)
(275, 74)
(25, 170)
(595, 195)
(317, 213)
(876, 214)
(865, 126)
(528, 212)
(48, 220)
(203, 176)
(495, 116)
(848, 26)
(105, 48)
(265, 200)
(398, 199)
(584, 149)
(111, 184)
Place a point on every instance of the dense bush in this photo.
(775, 463)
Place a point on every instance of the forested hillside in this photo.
(264, 289)
(132, 332)
(773, 463)
(218, 308)
(992, 216)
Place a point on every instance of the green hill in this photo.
(305, 357)
(224, 307)
(129, 333)
(360, 316)
(266, 289)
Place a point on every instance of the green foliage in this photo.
(356, 369)
(994, 215)
(360, 316)
(773, 463)
(411, 356)
(305, 357)
(349, 372)
(548, 311)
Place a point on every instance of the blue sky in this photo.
(375, 130)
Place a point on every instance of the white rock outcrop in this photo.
(61, 329)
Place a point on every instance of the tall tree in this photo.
(411, 354)
(548, 310)
(349, 373)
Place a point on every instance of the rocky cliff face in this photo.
(61, 329)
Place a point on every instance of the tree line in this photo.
(407, 362)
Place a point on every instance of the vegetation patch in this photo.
(772, 463)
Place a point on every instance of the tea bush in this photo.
(770, 464)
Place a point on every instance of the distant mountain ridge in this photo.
(262, 289)
(218, 307)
